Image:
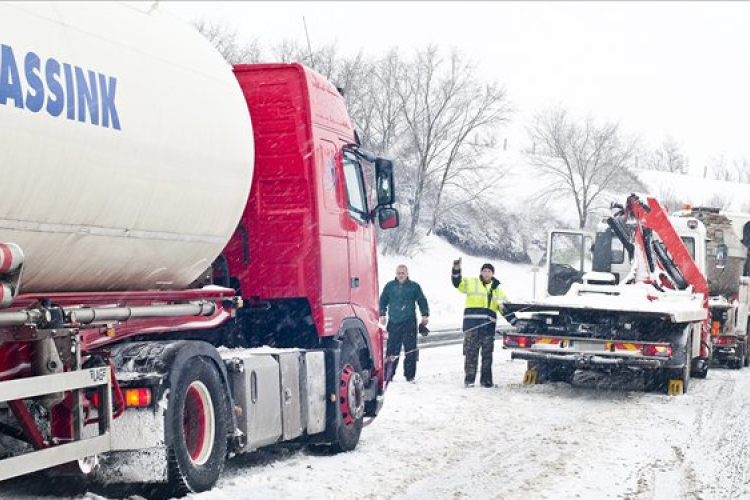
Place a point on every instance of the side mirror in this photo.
(384, 182)
(388, 218)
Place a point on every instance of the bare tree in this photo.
(720, 169)
(378, 112)
(742, 167)
(667, 157)
(448, 114)
(227, 43)
(583, 159)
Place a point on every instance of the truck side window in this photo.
(355, 188)
(618, 252)
(690, 245)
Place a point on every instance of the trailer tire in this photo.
(351, 400)
(196, 428)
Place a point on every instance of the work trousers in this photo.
(478, 335)
(403, 334)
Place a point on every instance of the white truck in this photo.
(630, 302)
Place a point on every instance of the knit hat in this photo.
(488, 266)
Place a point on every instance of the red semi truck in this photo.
(187, 253)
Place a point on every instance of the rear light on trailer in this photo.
(518, 341)
(725, 340)
(656, 350)
(137, 398)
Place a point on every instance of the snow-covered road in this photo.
(436, 439)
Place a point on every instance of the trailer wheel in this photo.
(196, 428)
(351, 400)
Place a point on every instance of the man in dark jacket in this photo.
(398, 302)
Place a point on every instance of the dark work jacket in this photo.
(399, 300)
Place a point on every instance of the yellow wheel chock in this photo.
(675, 387)
(530, 377)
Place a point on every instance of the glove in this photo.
(457, 264)
(423, 330)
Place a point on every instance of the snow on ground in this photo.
(435, 439)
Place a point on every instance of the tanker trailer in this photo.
(144, 223)
(130, 157)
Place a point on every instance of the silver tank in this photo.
(127, 150)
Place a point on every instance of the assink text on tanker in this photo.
(57, 88)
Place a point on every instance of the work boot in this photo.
(468, 384)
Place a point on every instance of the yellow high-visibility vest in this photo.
(477, 295)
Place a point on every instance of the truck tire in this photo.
(196, 427)
(746, 352)
(700, 366)
(351, 400)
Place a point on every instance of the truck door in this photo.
(361, 248)
(569, 258)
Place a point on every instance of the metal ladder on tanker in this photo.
(48, 455)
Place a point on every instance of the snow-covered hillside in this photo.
(696, 191)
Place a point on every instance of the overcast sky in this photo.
(658, 68)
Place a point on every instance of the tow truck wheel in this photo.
(351, 400)
(196, 428)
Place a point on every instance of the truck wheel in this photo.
(738, 363)
(351, 400)
(700, 366)
(196, 428)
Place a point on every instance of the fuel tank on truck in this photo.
(127, 148)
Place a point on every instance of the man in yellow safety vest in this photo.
(484, 299)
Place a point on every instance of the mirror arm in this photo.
(375, 210)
